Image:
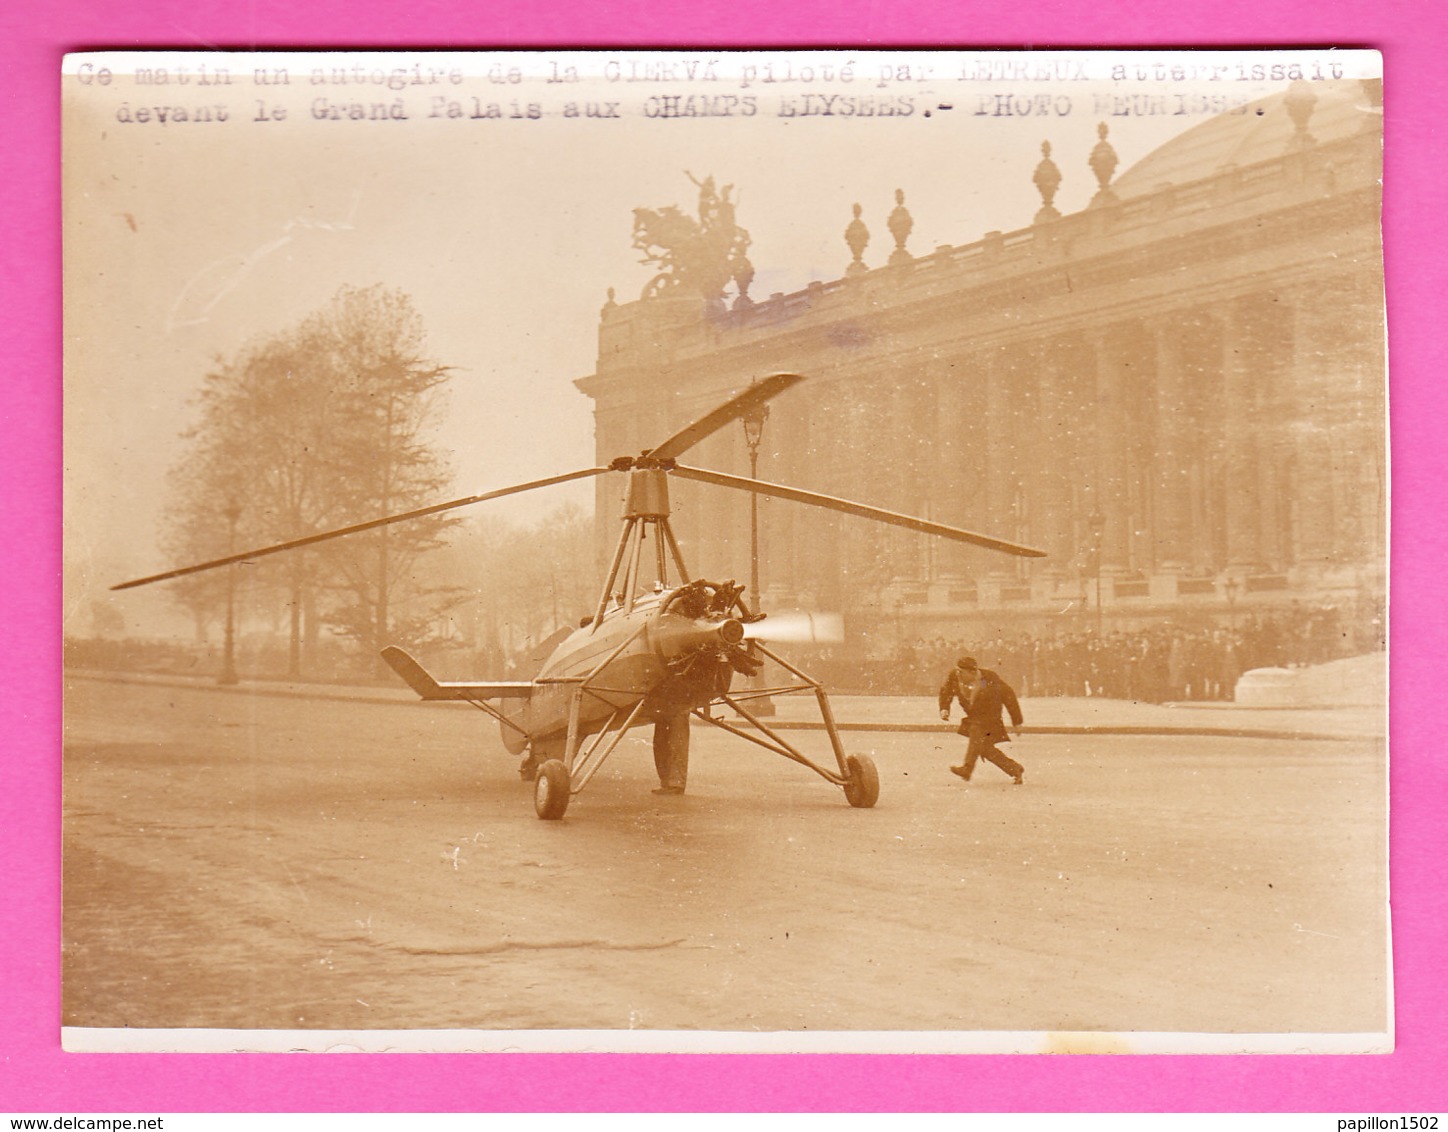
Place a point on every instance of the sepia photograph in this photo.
(655, 551)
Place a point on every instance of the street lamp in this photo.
(1097, 522)
(753, 422)
(1232, 586)
(228, 656)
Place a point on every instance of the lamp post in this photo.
(1232, 586)
(753, 422)
(1097, 523)
(228, 655)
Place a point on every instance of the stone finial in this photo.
(857, 236)
(1047, 179)
(611, 304)
(900, 224)
(1299, 102)
(1103, 163)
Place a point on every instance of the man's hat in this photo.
(966, 662)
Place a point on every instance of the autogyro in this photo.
(660, 648)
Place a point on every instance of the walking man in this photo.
(984, 696)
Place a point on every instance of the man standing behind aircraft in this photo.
(983, 695)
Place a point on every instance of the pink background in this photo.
(36, 1077)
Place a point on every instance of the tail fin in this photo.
(413, 673)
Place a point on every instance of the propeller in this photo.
(863, 510)
(732, 410)
(663, 455)
(798, 628)
(355, 528)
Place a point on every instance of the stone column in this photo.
(1000, 422)
(1136, 363)
(1360, 488)
(950, 482)
(1051, 456)
(1272, 350)
(786, 436)
(1243, 498)
(1026, 453)
(1078, 400)
(1112, 423)
(1338, 370)
(867, 479)
(1201, 361)
(908, 462)
(1172, 460)
(1368, 435)
(820, 538)
(1314, 357)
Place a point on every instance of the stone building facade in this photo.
(1177, 392)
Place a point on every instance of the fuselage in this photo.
(667, 649)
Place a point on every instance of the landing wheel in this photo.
(862, 787)
(550, 790)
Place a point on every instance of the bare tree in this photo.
(204, 483)
(388, 396)
(313, 428)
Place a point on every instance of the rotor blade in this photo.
(371, 524)
(798, 628)
(863, 510)
(740, 406)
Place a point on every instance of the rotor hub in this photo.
(646, 495)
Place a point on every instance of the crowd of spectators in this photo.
(1170, 662)
(1162, 663)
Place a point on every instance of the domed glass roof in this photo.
(1260, 131)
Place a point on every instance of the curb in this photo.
(1085, 729)
(355, 697)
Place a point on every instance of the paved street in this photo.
(267, 861)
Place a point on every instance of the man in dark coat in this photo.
(984, 696)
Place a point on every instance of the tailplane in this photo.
(422, 682)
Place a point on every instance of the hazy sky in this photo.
(185, 239)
